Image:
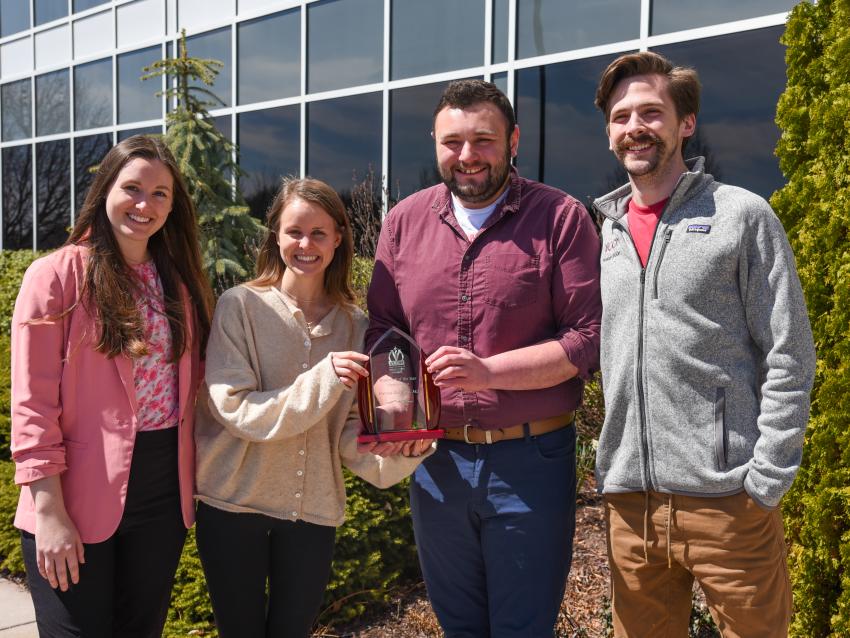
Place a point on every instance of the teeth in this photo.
(470, 171)
(138, 219)
(306, 258)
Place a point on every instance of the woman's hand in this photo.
(348, 367)
(58, 548)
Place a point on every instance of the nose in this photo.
(467, 153)
(141, 201)
(304, 242)
(635, 125)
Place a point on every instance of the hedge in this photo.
(814, 154)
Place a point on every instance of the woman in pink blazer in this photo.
(106, 337)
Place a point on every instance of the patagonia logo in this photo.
(699, 228)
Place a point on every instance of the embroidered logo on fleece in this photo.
(699, 228)
(611, 249)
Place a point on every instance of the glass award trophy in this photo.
(398, 401)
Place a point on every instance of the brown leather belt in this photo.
(475, 435)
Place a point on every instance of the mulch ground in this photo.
(583, 612)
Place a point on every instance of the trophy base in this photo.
(406, 435)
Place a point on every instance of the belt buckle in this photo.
(488, 435)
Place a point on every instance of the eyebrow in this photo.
(481, 131)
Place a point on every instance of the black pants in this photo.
(241, 553)
(125, 583)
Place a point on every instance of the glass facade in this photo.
(344, 140)
(93, 94)
(53, 193)
(17, 197)
(16, 107)
(137, 99)
(49, 10)
(14, 16)
(52, 101)
(337, 88)
(549, 26)
(344, 43)
(425, 42)
(88, 151)
(268, 150)
(269, 61)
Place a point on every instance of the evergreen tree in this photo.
(814, 153)
(205, 156)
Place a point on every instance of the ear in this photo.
(514, 140)
(608, 135)
(688, 125)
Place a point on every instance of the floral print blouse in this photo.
(154, 374)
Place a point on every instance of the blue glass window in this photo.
(14, 16)
(137, 99)
(16, 105)
(17, 197)
(269, 57)
(214, 45)
(736, 131)
(48, 10)
(88, 153)
(550, 26)
(269, 148)
(52, 103)
(562, 134)
(344, 140)
(675, 15)
(435, 36)
(93, 94)
(53, 193)
(344, 43)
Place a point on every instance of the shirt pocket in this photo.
(511, 280)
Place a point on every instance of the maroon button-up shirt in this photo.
(531, 274)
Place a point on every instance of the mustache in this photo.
(646, 138)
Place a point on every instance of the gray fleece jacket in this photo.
(707, 354)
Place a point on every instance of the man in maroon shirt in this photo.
(497, 277)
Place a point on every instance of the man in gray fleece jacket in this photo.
(707, 363)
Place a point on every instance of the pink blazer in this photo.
(74, 409)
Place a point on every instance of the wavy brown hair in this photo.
(270, 266)
(110, 287)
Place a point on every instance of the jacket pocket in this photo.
(511, 280)
(667, 234)
(720, 439)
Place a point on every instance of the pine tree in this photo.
(814, 153)
(229, 233)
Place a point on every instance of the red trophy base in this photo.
(405, 435)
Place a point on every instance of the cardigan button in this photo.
(305, 366)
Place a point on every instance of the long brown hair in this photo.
(270, 266)
(110, 286)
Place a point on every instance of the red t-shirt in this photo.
(642, 223)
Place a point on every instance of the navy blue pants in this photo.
(494, 528)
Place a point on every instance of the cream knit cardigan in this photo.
(274, 425)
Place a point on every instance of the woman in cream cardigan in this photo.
(276, 421)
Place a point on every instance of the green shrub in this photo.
(10, 546)
(814, 154)
(13, 264)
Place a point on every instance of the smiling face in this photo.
(307, 237)
(474, 152)
(138, 204)
(644, 130)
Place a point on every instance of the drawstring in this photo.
(646, 526)
(669, 518)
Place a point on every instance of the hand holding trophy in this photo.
(398, 401)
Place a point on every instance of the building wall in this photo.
(338, 88)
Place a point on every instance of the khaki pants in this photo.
(734, 549)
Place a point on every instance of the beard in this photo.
(474, 193)
(644, 166)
